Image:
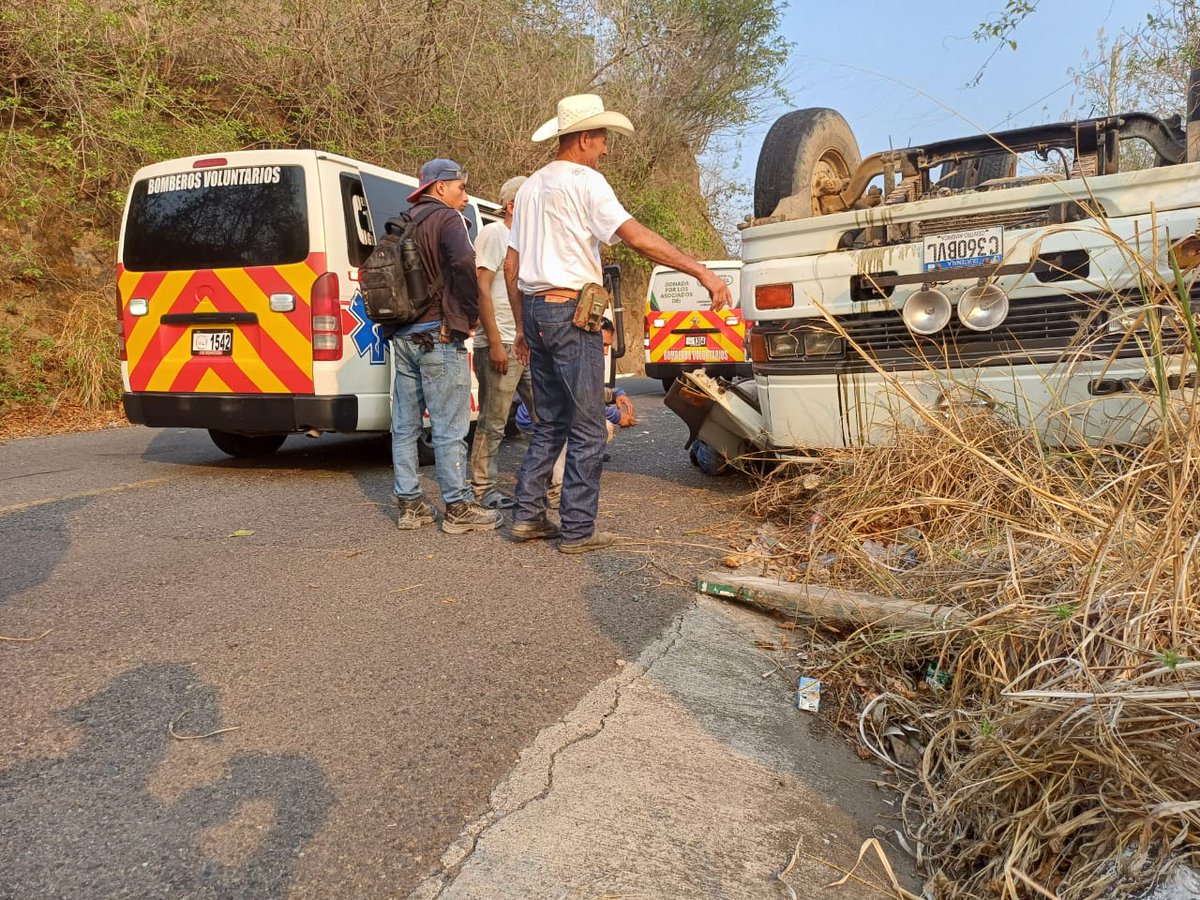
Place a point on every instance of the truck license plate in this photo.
(212, 343)
(963, 249)
(695, 340)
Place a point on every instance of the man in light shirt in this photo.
(499, 373)
(562, 214)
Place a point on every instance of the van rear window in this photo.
(217, 219)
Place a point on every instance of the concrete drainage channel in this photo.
(690, 772)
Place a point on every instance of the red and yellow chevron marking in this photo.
(272, 356)
(668, 342)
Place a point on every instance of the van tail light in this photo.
(774, 296)
(121, 325)
(326, 319)
(758, 345)
(646, 332)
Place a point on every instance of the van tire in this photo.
(667, 382)
(425, 454)
(246, 446)
(802, 147)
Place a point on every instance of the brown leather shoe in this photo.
(597, 540)
(534, 529)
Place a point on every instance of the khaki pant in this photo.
(495, 399)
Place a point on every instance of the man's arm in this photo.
(487, 320)
(458, 268)
(658, 249)
(512, 265)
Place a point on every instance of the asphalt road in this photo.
(251, 684)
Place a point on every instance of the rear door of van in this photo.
(681, 330)
(218, 260)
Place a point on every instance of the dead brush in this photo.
(1051, 746)
(87, 348)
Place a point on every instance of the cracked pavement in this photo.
(237, 679)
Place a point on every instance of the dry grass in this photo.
(1050, 746)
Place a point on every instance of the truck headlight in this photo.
(785, 344)
(824, 343)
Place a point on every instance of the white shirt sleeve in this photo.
(489, 252)
(605, 212)
(514, 230)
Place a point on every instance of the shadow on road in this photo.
(330, 451)
(40, 539)
(86, 824)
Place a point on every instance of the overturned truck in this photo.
(1034, 272)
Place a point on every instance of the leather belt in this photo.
(558, 295)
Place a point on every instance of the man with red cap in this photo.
(430, 358)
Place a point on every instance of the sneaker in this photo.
(463, 516)
(493, 499)
(554, 496)
(597, 540)
(534, 529)
(413, 514)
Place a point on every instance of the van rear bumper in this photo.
(243, 413)
(722, 370)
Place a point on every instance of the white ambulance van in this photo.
(238, 300)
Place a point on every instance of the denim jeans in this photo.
(438, 381)
(567, 368)
(495, 400)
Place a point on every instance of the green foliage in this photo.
(91, 90)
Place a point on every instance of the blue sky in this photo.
(899, 73)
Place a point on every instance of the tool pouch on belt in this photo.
(593, 300)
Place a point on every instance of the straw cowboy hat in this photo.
(582, 112)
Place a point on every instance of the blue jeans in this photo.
(567, 369)
(438, 381)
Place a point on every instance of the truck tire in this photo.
(994, 165)
(803, 148)
(246, 446)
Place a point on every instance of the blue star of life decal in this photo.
(366, 334)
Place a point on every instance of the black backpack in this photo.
(393, 282)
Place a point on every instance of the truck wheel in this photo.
(994, 165)
(246, 445)
(803, 150)
(667, 382)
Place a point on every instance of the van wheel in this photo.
(805, 151)
(668, 381)
(246, 445)
(425, 454)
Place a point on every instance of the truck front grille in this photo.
(1043, 329)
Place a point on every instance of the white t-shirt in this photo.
(562, 214)
(490, 248)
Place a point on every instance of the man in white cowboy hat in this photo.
(499, 373)
(561, 216)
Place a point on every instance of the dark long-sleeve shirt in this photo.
(446, 250)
